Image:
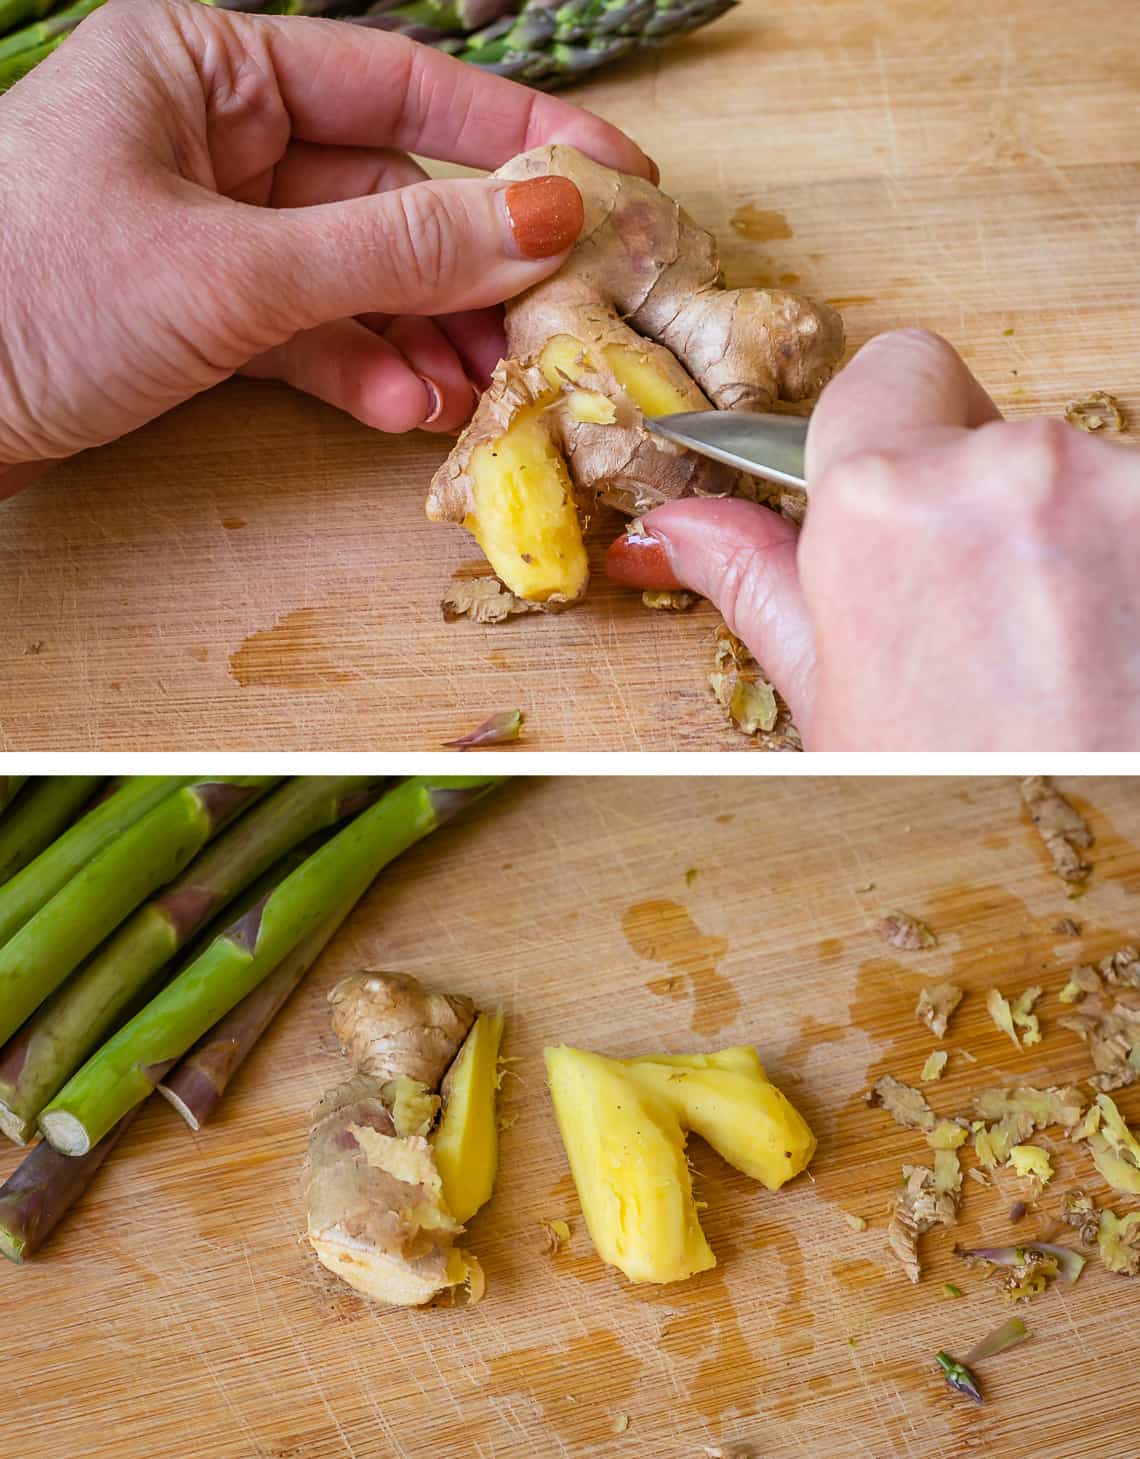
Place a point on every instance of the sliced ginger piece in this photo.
(624, 1125)
(726, 1099)
(523, 514)
(466, 1144)
(627, 1156)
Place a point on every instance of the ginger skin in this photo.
(377, 1198)
(636, 316)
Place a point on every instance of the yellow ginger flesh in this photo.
(524, 517)
(466, 1144)
(624, 1124)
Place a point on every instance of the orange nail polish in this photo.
(637, 560)
(545, 214)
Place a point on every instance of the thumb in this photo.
(743, 558)
(429, 248)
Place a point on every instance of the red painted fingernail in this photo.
(435, 400)
(545, 214)
(637, 560)
(654, 171)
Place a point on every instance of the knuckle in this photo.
(744, 587)
(866, 485)
(425, 243)
(1031, 473)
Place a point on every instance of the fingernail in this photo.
(637, 560)
(545, 215)
(654, 171)
(435, 400)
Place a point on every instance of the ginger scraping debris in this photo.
(405, 1152)
(624, 1124)
(635, 323)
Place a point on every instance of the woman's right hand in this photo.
(961, 582)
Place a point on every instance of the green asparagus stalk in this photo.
(43, 1188)
(10, 787)
(14, 13)
(44, 810)
(41, 1056)
(47, 32)
(133, 1061)
(39, 881)
(95, 901)
(15, 68)
(197, 1082)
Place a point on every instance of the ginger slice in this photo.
(624, 1123)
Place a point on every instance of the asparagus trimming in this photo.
(73, 1022)
(132, 1062)
(45, 808)
(96, 900)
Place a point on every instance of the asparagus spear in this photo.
(544, 43)
(43, 1188)
(133, 1061)
(14, 13)
(30, 889)
(197, 1082)
(14, 68)
(44, 810)
(547, 45)
(10, 787)
(95, 901)
(74, 1021)
(47, 32)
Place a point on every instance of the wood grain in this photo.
(255, 571)
(178, 1312)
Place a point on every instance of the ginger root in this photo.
(381, 1175)
(635, 323)
(624, 1124)
(389, 1025)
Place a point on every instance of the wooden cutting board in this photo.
(178, 1312)
(255, 571)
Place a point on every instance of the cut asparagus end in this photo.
(12, 1246)
(64, 1132)
(184, 1109)
(16, 1126)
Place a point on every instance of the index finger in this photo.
(351, 86)
(899, 387)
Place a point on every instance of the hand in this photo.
(188, 192)
(959, 583)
